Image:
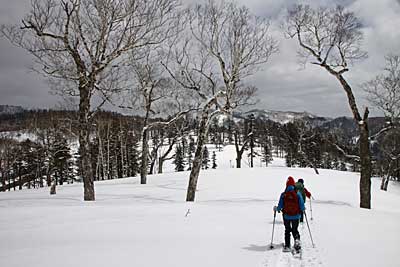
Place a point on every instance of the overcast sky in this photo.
(283, 85)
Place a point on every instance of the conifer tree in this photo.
(28, 166)
(214, 160)
(206, 158)
(60, 159)
(179, 159)
(132, 157)
(191, 150)
(266, 154)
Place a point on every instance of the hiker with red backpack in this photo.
(291, 204)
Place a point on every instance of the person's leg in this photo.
(296, 235)
(288, 230)
(295, 231)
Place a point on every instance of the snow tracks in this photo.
(310, 256)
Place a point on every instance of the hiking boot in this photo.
(297, 245)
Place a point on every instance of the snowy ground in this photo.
(229, 225)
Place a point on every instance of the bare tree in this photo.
(237, 139)
(81, 43)
(225, 44)
(156, 95)
(239, 151)
(165, 155)
(150, 89)
(332, 38)
(389, 156)
(383, 92)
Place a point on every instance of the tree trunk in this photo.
(239, 160)
(163, 158)
(160, 164)
(3, 181)
(53, 188)
(385, 186)
(20, 179)
(48, 178)
(365, 153)
(40, 175)
(386, 176)
(101, 156)
(384, 182)
(108, 151)
(251, 142)
(152, 164)
(365, 159)
(198, 156)
(145, 156)
(122, 151)
(239, 152)
(84, 142)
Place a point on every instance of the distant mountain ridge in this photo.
(13, 117)
(346, 124)
(283, 117)
(9, 109)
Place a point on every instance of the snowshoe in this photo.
(286, 249)
(297, 245)
(296, 251)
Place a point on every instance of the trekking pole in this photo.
(305, 215)
(273, 228)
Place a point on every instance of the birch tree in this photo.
(331, 38)
(150, 89)
(157, 96)
(240, 150)
(383, 92)
(389, 157)
(225, 45)
(80, 45)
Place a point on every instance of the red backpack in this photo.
(291, 203)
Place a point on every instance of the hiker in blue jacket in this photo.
(291, 203)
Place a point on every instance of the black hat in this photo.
(301, 181)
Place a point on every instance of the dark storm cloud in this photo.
(18, 84)
(282, 84)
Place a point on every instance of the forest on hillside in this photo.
(40, 147)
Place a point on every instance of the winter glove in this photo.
(275, 208)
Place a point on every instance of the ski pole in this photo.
(311, 210)
(273, 228)
(305, 215)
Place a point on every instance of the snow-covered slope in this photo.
(229, 225)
